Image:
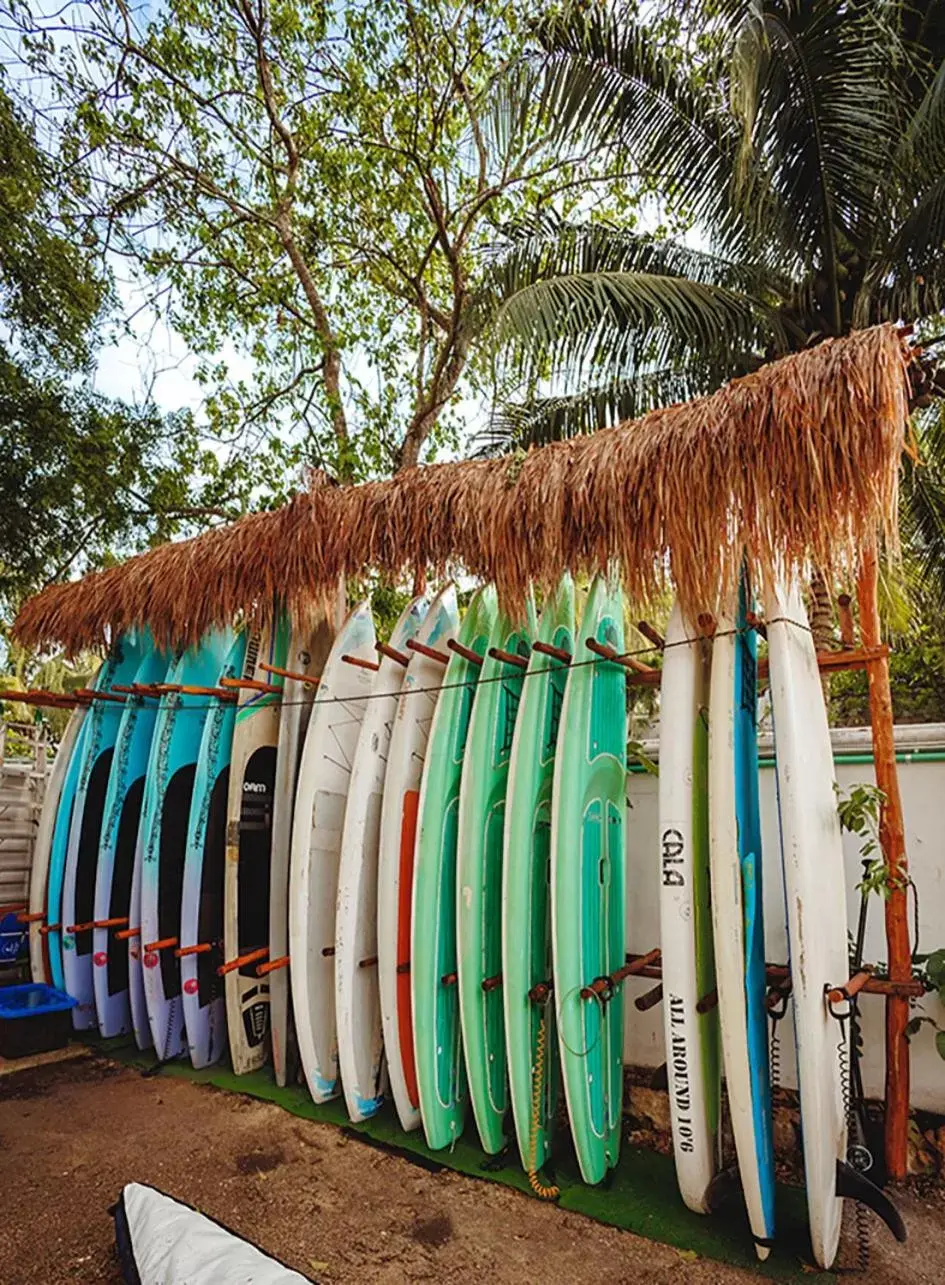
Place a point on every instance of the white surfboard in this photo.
(692, 1038)
(39, 870)
(408, 746)
(357, 1002)
(308, 651)
(812, 855)
(321, 796)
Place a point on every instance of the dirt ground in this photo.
(72, 1133)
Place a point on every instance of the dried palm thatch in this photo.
(794, 464)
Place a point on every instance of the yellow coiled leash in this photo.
(538, 1077)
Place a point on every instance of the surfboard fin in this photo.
(723, 1187)
(856, 1186)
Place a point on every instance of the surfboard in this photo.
(59, 849)
(481, 828)
(53, 800)
(308, 651)
(116, 858)
(136, 997)
(692, 1038)
(162, 835)
(78, 888)
(405, 759)
(588, 900)
(812, 856)
(441, 1078)
(738, 924)
(321, 797)
(526, 907)
(246, 881)
(357, 1000)
(201, 911)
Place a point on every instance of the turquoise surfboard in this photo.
(441, 1079)
(526, 904)
(481, 827)
(172, 767)
(58, 849)
(116, 857)
(85, 831)
(201, 915)
(588, 811)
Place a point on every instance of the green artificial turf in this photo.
(640, 1196)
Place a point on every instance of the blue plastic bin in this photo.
(34, 1019)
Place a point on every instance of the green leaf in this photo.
(940, 1043)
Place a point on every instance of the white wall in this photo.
(923, 797)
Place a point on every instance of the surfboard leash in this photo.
(538, 1087)
(859, 1157)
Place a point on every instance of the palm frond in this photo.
(908, 278)
(545, 245)
(922, 148)
(923, 504)
(607, 83)
(604, 324)
(827, 143)
(540, 420)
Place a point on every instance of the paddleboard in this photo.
(588, 900)
(116, 858)
(53, 800)
(692, 1038)
(526, 905)
(481, 828)
(201, 910)
(441, 1079)
(308, 651)
(136, 997)
(405, 758)
(59, 849)
(78, 888)
(812, 856)
(321, 796)
(162, 835)
(357, 1001)
(738, 924)
(247, 875)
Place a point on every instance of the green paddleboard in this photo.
(479, 873)
(588, 811)
(526, 904)
(441, 1079)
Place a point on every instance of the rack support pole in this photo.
(893, 843)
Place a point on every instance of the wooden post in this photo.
(893, 842)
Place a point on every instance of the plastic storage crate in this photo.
(34, 1019)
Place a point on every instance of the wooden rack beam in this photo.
(908, 988)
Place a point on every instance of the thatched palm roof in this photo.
(798, 462)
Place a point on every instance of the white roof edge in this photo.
(848, 740)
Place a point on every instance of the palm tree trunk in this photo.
(821, 622)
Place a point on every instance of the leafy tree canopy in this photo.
(315, 185)
(84, 477)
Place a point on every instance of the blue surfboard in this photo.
(748, 816)
(85, 830)
(201, 919)
(57, 853)
(172, 768)
(116, 857)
